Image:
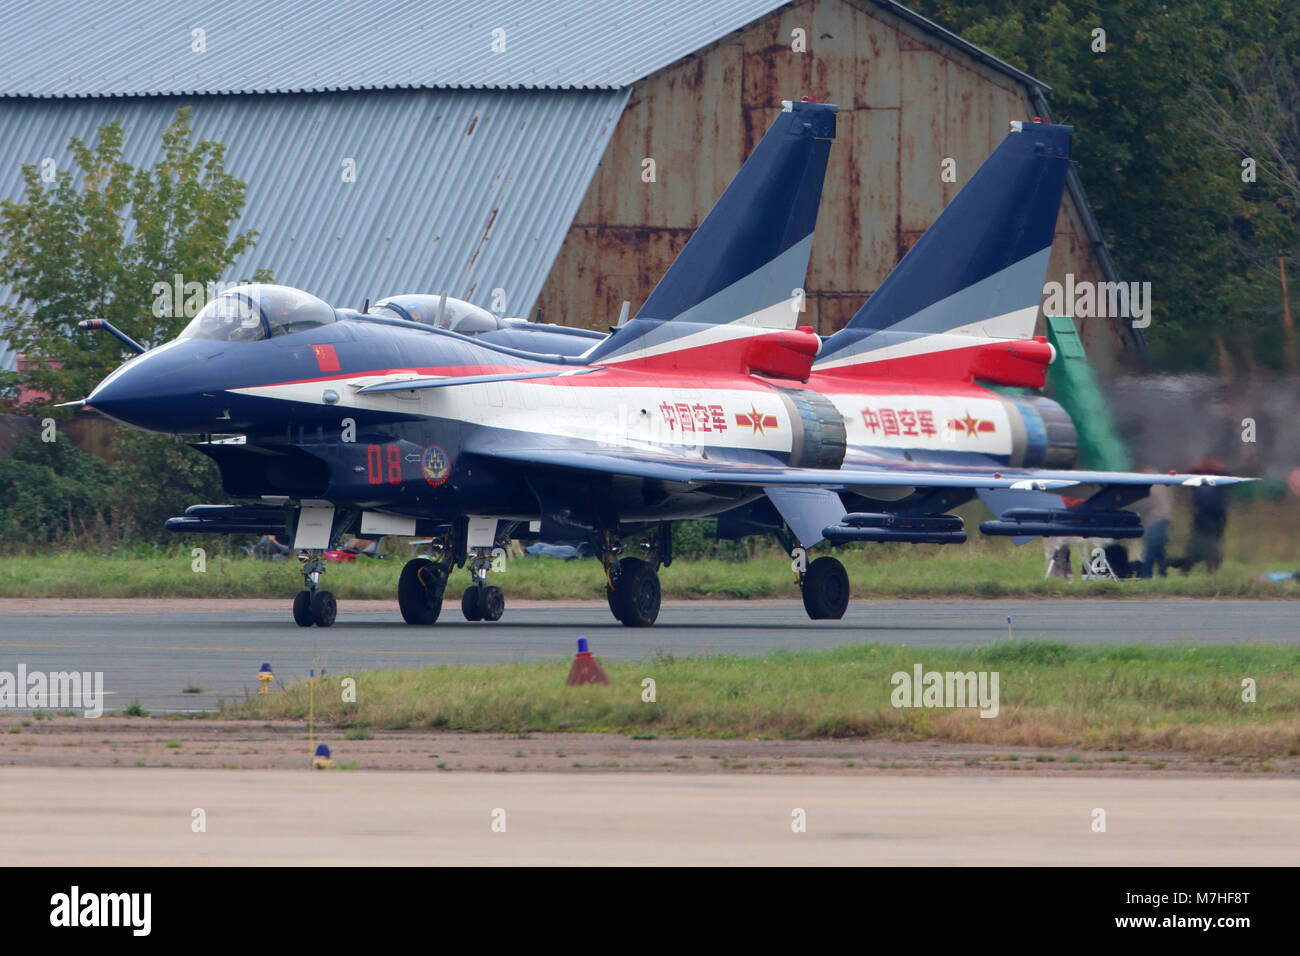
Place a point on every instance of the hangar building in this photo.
(494, 149)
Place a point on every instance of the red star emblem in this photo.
(971, 423)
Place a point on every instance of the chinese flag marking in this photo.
(326, 359)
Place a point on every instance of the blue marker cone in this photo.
(322, 760)
(586, 669)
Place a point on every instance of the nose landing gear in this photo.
(312, 605)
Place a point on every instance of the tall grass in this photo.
(1184, 698)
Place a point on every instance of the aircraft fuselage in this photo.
(313, 433)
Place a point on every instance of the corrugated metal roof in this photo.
(67, 48)
(455, 190)
(447, 194)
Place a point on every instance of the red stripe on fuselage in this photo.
(601, 377)
(850, 381)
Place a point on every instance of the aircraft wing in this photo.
(808, 499)
(705, 471)
(710, 471)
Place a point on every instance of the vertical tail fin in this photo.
(979, 269)
(746, 261)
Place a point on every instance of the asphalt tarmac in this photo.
(151, 651)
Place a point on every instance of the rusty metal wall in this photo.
(907, 100)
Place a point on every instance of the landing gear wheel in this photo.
(615, 598)
(825, 589)
(302, 609)
(323, 609)
(635, 602)
(420, 590)
(492, 602)
(469, 604)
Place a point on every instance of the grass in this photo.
(1262, 536)
(1180, 698)
(984, 570)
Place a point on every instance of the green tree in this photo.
(51, 491)
(1170, 200)
(93, 243)
(165, 476)
(1248, 108)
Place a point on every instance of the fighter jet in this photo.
(422, 416)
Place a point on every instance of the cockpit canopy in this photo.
(250, 313)
(455, 315)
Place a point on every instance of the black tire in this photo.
(419, 591)
(469, 604)
(612, 598)
(323, 609)
(636, 600)
(825, 589)
(492, 603)
(302, 609)
(615, 598)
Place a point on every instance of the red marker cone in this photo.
(585, 669)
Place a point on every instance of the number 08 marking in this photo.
(375, 464)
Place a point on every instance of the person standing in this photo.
(1157, 511)
(1209, 521)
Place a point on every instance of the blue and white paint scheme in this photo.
(423, 417)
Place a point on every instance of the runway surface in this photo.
(151, 650)
(144, 817)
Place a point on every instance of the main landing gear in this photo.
(632, 584)
(825, 589)
(423, 583)
(824, 582)
(313, 605)
(419, 591)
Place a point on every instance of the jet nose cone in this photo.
(124, 396)
(151, 392)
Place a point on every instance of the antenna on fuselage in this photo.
(623, 314)
(442, 308)
(365, 306)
